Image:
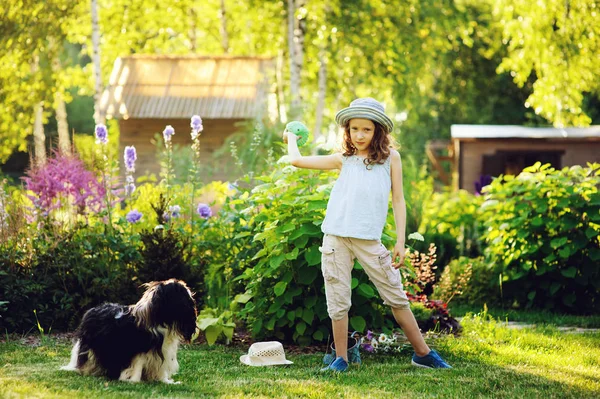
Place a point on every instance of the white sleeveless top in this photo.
(359, 200)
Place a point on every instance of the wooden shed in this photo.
(487, 150)
(147, 92)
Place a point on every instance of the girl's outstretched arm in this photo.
(323, 162)
(399, 206)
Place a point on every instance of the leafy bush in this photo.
(451, 220)
(216, 326)
(471, 281)
(62, 276)
(285, 286)
(543, 229)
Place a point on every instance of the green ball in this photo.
(299, 130)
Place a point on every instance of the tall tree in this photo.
(296, 31)
(98, 87)
(224, 34)
(555, 43)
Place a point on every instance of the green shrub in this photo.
(61, 276)
(471, 281)
(451, 220)
(285, 286)
(543, 228)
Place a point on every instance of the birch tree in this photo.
(98, 87)
(224, 34)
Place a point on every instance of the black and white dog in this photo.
(136, 342)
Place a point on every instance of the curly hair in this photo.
(379, 150)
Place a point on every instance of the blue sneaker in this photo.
(339, 365)
(431, 361)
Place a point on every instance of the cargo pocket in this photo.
(385, 262)
(328, 263)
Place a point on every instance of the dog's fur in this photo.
(136, 342)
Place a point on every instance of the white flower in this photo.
(416, 236)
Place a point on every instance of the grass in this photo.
(539, 317)
(489, 360)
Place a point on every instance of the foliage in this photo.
(61, 276)
(255, 147)
(166, 254)
(453, 216)
(553, 42)
(434, 63)
(216, 326)
(285, 284)
(543, 229)
(32, 35)
(469, 281)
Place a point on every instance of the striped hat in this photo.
(365, 108)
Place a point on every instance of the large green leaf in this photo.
(212, 333)
(279, 288)
(312, 256)
(569, 272)
(366, 290)
(358, 323)
(204, 323)
(300, 328)
(308, 275)
(308, 316)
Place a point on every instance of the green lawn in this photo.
(489, 360)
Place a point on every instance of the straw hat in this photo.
(265, 354)
(365, 108)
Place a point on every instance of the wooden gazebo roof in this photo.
(170, 87)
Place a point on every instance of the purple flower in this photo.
(129, 189)
(204, 211)
(134, 216)
(130, 157)
(101, 134)
(196, 125)
(368, 348)
(175, 211)
(369, 335)
(168, 132)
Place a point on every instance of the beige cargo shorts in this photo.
(337, 261)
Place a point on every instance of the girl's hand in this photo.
(287, 135)
(399, 255)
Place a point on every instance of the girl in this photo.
(354, 221)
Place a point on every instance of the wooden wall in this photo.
(470, 154)
(140, 133)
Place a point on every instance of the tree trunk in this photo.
(280, 97)
(39, 138)
(192, 32)
(64, 141)
(296, 30)
(224, 34)
(98, 114)
(321, 95)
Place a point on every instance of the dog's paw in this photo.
(170, 381)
